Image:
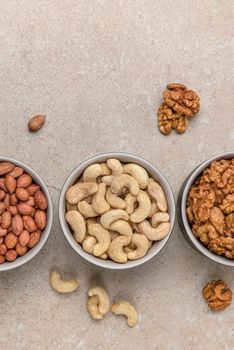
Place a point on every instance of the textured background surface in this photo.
(97, 70)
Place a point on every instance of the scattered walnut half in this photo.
(179, 104)
(210, 207)
(217, 294)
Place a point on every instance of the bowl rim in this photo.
(35, 250)
(77, 171)
(189, 182)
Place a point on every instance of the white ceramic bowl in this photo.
(32, 252)
(182, 216)
(125, 158)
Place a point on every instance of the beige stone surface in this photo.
(97, 70)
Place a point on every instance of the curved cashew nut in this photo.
(115, 250)
(115, 166)
(159, 217)
(92, 307)
(108, 179)
(154, 234)
(154, 209)
(105, 169)
(89, 243)
(123, 228)
(62, 286)
(92, 172)
(103, 237)
(125, 180)
(115, 201)
(138, 172)
(86, 210)
(156, 192)
(79, 191)
(142, 246)
(143, 209)
(130, 201)
(126, 309)
(113, 215)
(77, 223)
(99, 203)
(103, 301)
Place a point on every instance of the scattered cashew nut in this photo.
(138, 172)
(99, 304)
(77, 223)
(144, 206)
(126, 309)
(62, 286)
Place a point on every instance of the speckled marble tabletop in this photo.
(97, 70)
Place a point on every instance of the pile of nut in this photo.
(22, 212)
(117, 211)
(218, 295)
(179, 105)
(210, 207)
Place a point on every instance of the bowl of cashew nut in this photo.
(116, 210)
(206, 209)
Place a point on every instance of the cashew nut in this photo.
(142, 246)
(98, 307)
(115, 166)
(130, 201)
(99, 203)
(126, 309)
(113, 215)
(143, 209)
(159, 217)
(77, 223)
(92, 172)
(138, 172)
(62, 286)
(123, 228)
(154, 234)
(105, 169)
(115, 250)
(153, 209)
(86, 210)
(107, 179)
(89, 243)
(79, 191)
(103, 237)
(125, 180)
(115, 201)
(129, 248)
(156, 192)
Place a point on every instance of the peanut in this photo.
(6, 167)
(11, 255)
(21, 250)
(10, 240)
(32, 189)
(13, 210)
(34, 239)
(36, 122)
(24, 209)
(24, 238)
(3, 184)
(40, 200)
(29, 223)
(3, 232)
(2, 207)
(24, 181)
(3, 249)
(17, 225)
(6, 220)
(40, 219)
(10, 183)
(22, 194)
(16, 172)
(7, 200)
(13, 199)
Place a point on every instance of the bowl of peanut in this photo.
(25, 213)
(116, 210)
(206, 209)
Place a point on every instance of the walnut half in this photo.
(217, 294)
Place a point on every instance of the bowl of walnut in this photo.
(206, 208)
(116, 210)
